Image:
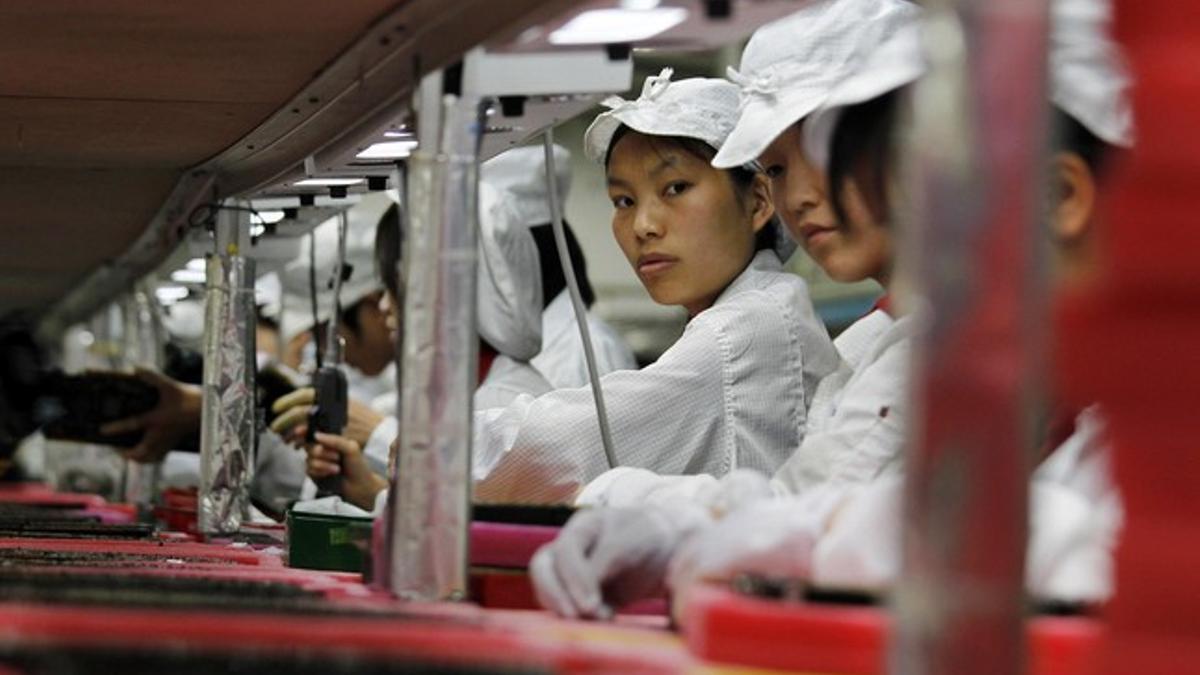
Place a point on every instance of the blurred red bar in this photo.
(1131, 342)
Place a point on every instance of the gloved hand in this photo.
(608, 557)
(773, 538)
(292, 411)
(177, 414)
(359, 483)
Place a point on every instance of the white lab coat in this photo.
(733, 391)
(847, 537)
(854, 432)
(561, 360)
(506, 380)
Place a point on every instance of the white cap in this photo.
(361, 222)
(1089, 79)
(832, 53)
(509, 290)
(701, 108)
(520, 174)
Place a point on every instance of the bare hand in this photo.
(332, 455)
(177, 414)
(292, 413)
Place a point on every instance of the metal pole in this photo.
(977, 152)
(143, 337)
(227, 427)
(430, 505)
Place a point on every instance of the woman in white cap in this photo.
(734, 389)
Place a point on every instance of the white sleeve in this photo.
(278, 472)
(380, 443)
(865, 436)
(667, 417)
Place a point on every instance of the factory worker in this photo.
(368, 351)
(733, 391)
(848, 54)
(845, 537)
(521, 175)
(509, 298)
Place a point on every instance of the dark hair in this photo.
(387, 249)
(741, 177)
(554, 280)
(862, 149)
(1070, 135)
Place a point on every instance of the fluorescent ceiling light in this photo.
(267, 217)
(169, 294)
(189, 276)
(329, 182)
(197, 264)
(398, 133)
(388, 150)
(640, 5)
(608, 26)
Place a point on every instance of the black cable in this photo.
(312, 289)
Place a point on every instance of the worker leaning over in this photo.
(849, 539)
(844, 535)
(520, 175)
(734, 390)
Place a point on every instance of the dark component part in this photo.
(797, 590)
(11, 558)
(291, 213)
(718, 9)
(274, 381)
(337, 191)
(452, 79)
(152, 659)
(46, 584)
(182, 364)
(308, 199)
(377, 183)
(72, 529)
(620, 51)
(512, 106)
(330, 413)
(20, 368)
(516, 514)
(73, 407)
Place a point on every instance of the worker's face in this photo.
(369, 348)
(681, 223)
(858, 249)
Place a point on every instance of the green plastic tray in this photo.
(327, 542)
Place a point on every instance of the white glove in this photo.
(769, 537)
(607, 557)
(1071, 543)
(861, 550)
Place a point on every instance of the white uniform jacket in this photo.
(855, 428)
(506, 380)
(733, 391)
(561, 360)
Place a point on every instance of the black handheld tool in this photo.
(330, 413)
(331, 409)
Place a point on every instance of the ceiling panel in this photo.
(219, 50)
(104, 133)
(79, 219)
